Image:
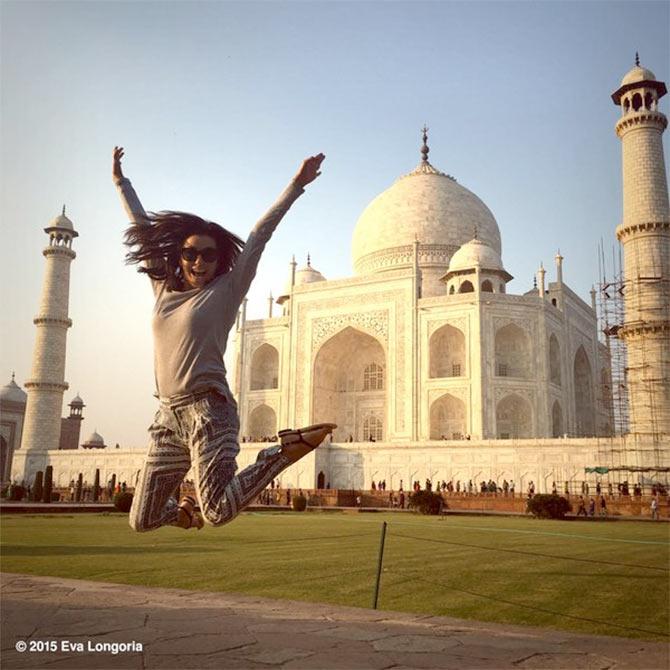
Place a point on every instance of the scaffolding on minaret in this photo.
(610, 312)
(623, 454)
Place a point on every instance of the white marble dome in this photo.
(308, 275)
(61, 221)
(12, 392)
(425, 205)
(638, 74)
(475, 254)
(95, 440)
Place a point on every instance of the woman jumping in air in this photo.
(200, 273)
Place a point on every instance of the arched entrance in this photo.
(262, 423)
(584, 405)
(349, 385)
(447, 352)
(265, 368)
(554, 361)
(447, 418)
(514, 418)
(512, 351)
(556, 419)
(4, 458)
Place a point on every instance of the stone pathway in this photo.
(164, 629)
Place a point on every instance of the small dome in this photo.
(77, 401)
(61, 221)
(638, 74)
(95, 440)
(308, 275)
(476, 253)
(12, 392)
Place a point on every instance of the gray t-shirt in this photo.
(191, 327)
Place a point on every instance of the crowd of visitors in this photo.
(585, 503)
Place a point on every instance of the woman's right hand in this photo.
(117, 155)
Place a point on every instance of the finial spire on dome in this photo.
(424, 167)
(476, 234)
(534, 281)
(13, 375)
(63, 210)
(637, 59)
(309, 260)
(424, 148)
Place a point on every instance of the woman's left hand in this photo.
(309, 170)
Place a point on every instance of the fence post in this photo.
(379, 566)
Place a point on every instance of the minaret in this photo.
(47, 384)
(70, 427)
(645, 235)
(559, 279)
(540, 281)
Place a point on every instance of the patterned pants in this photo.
(202, 432)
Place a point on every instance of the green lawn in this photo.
(591, 577)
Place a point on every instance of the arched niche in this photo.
(466, 287)
(264, 368)
(556, 420)
(447, 352)
(262, 422)
(4, 458)
(447, 418)
(554, 360)
(584, 405)
(514, 418)
(487, 286)
(339, 392)
(512, 352)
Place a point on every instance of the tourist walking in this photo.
(603, 506)
(200, 273)
(581, 510)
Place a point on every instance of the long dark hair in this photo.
(160, 238)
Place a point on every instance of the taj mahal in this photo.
(424, 360)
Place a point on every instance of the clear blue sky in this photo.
(217, 103)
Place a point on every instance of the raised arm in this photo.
(131, 203)
(309, 170)
(245, 266)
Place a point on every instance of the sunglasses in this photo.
(190, 254)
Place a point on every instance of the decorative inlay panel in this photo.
(461, 392)
(502, 391)
(527, 326)
(459, 322)
(374, 323)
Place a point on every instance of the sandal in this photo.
(308, 438)
(189, 515)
